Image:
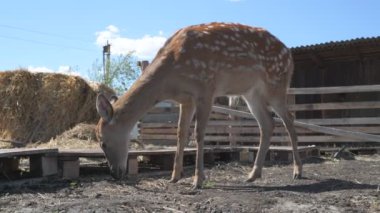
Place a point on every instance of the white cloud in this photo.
(145, 47)
(39, 69)
(64, 69)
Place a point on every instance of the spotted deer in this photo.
(195, 65)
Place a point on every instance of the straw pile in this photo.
(39, 106)
(81, 136)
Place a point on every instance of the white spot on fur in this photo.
(242, 55)
(203, 64)
(196, 63)
(199, 45)
(177, 66)
(215, 48)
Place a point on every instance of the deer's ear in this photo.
(104, 108)
(113, 99)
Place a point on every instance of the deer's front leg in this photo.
(202, 115)
(186, 115)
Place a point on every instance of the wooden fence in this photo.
(237, 127)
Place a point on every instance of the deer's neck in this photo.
(141, 97)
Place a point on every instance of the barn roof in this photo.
(357, 42)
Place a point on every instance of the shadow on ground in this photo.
(319, 187)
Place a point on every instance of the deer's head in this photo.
(113, 137)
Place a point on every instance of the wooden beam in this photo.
(313, 127)
(19, 152)
(316, 121)
(331, 90)
(339, 132)
(254, 130)
(335, 106)
(256, 139)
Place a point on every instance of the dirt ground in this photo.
(327, 186)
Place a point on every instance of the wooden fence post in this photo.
(232, 103)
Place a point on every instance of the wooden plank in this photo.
(279, 153)
(90, 153)
(279, 148)
(210, 123)
(339, 132)
(157, 118)
(302, 139)
(343, 121)
(95, 153)
(18, 152)
(255, 130)
(223, 109)
(70, 169)
(49, 165)
(313, 127)
(157, 125)
(335, 106)
(332, 149)
(43, 165)
(325, 121)
(331, 90)
(133, 166)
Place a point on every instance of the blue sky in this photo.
(52, 35)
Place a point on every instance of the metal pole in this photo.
(106, 64)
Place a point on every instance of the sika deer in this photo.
(197, 64)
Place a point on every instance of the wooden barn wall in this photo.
(364, 70)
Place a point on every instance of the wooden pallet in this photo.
(282, 154)
(42, 162)
(65, 163)
(68, 160)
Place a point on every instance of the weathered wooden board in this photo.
(331, 90)
(21, 152)
(42, 162)
(335, 106)
(255, 130)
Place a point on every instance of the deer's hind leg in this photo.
(186, 115)
(259, 108)
(282, 111)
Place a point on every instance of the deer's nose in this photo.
(117, 173)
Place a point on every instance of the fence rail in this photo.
(160, 124)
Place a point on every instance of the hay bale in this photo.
(39, 106)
